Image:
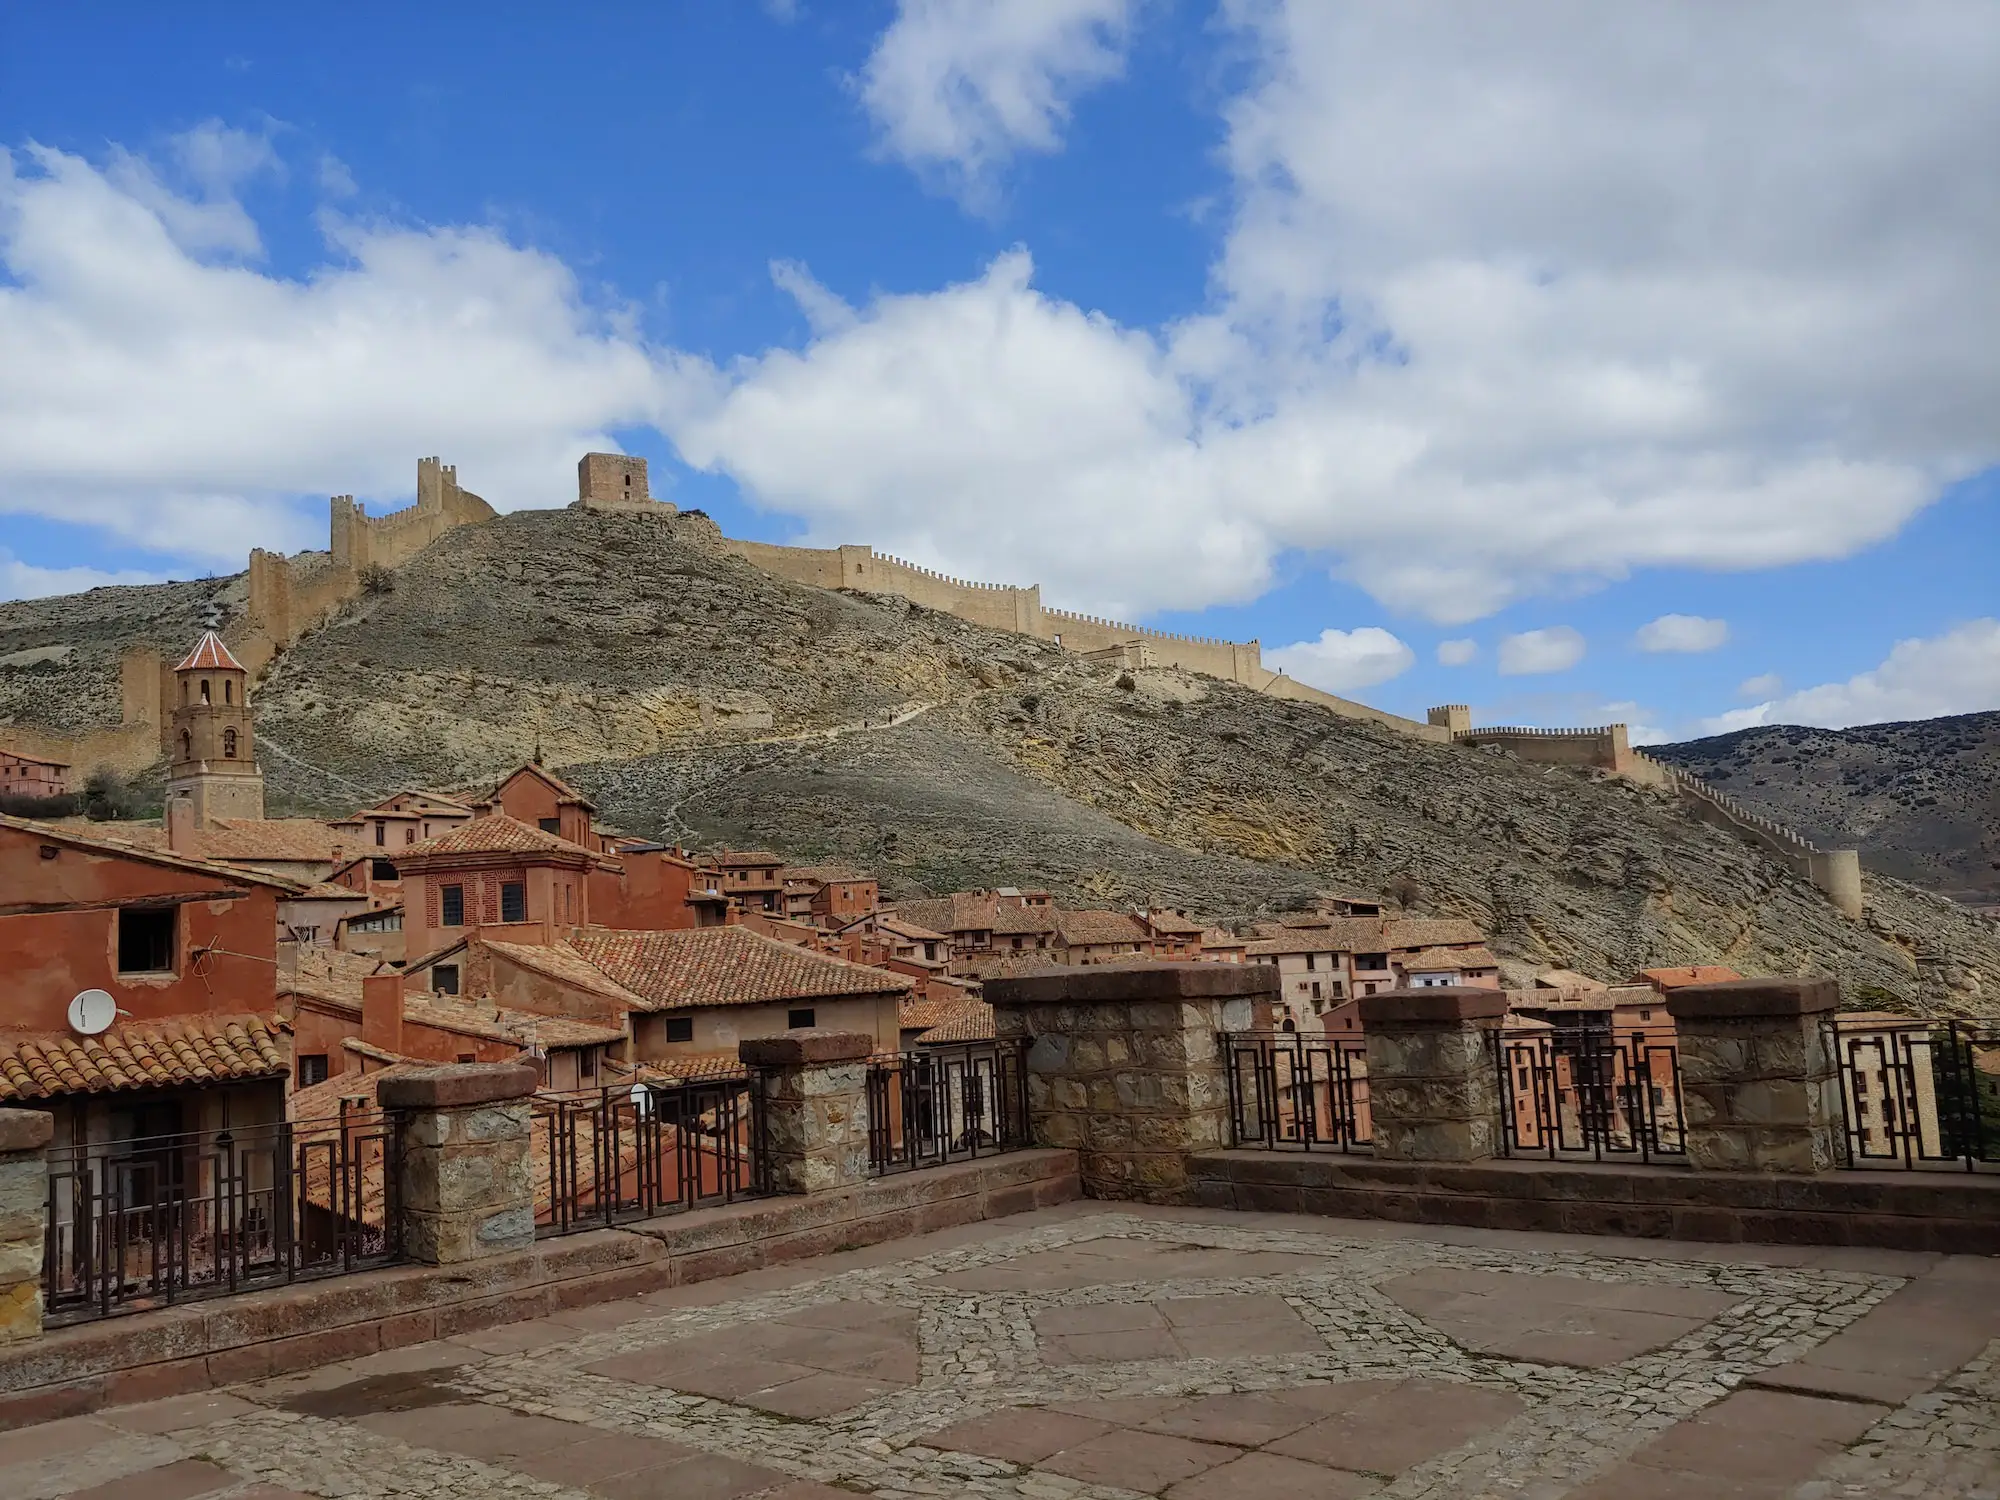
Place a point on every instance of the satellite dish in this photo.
(642, 1101)
(92, 1012)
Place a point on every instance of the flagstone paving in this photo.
(1098, 1352)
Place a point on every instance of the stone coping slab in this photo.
(459, 1086)
(804, 1046)
(25, 1130)
(1956, 1213)
(1753, 999)
(1442, 1005)
(1100, 983)
(256, 1335)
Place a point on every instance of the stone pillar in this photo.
(812, 1086)
(1433, 1084)
(1124, 1067)
(465, 1178)
(24, 1208)
(1758, 1083)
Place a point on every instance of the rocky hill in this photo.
(700, 699)
(1920, 800)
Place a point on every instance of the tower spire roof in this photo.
(209, 654)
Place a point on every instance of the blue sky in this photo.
(1273, 320)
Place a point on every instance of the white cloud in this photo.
(1954, 673)
(1507, 306)
(1555, 649)
(335, 178)
(20, 580)
(1682, 633)
(964, 86)
(1764, 685)
(1457, 653)
(1634, 717)
(1734, 719)
(185, 404)
(1341, 661)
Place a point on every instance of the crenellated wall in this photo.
(1608, 747)
(290, 595)
(1002, 606)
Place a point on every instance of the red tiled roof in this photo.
(969, 1021)
(562, 963)
(976, 911)
(1092, 927)
(141, 842)
(495, 833)
(1438, 959)
(1173, 923)
(1374, 935)
(725, 966)
(210, 655)
(563, 790)
(1673, 979)
(142, 1055)
(497, 1023)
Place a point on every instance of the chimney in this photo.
(180, 823)
(382, 1011)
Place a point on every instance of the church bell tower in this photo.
(214, 770)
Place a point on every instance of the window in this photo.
(513, 901)
(451, 906)
(1659, 1096)
(409, 835)
(1311, 960)
(381, 869)
(444, 979)
(466, 1057)
(381, 833)
(229, 744)
(187, 745)
(1371, 960)
(312, 1069)
(586, 1063)
(799, 1016)
(1521, 1073)
(228, 691)
(1645, 1015)
(204, 690)
(680, 1028)
(146, 939)
(549, 825)
(1315, 989)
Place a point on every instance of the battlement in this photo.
(923, 572)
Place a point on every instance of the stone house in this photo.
(702, 991)
(538, 797)
(830, 895)
(409, 817)
(1101, 937)
(984, 922)
(752, 879)
(1343, 958)
(499, 875)
(1172, 935)
(186, 951)
(31, 777)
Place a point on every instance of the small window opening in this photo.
(444, 979)
(451, 903)
(146, 939)
(312, 1069)
(799, 1016)
(680, 1028)
(513, 901)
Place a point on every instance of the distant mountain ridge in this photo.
(1920, 799)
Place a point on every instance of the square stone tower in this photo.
(214, 769)
(614, 481)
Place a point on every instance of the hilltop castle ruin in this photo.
(289, 596)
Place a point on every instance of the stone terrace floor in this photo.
(1097, 1352)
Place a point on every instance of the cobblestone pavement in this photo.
(1093, 1353)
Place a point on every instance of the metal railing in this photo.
(1294, 1092)
(944, 1104)
(634, 1151)
(1590, 1092)
(1918, 1094)
(154, 1220)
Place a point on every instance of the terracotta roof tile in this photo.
(968, 1021)
(1092, 927)
(1373, 935)
(142, 842)
(502, 1024)
(725, 966)
(142, 1055)
(1673, 979)
(209, 654)
(976, 911)
(562, 963)
(495, 833)
(1427, 959)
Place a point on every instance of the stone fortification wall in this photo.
(1608, 748)
(1009, 607)
(290, 595)
(1837, 872)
